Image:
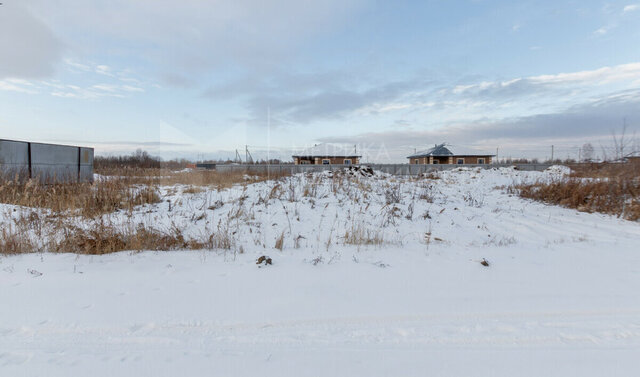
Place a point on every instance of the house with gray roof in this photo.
(441, 154)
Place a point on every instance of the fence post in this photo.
(29, 159)
(79, 161)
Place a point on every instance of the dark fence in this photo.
(47, 163)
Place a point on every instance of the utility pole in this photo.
(247, 155)
(497, 160)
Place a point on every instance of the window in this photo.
(436, 162)
(460, 161)
(416, 161)
(347, 161)
(481, 160)
(326, 162)
(304, 162)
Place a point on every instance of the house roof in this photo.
(328, 150)
(440, 150)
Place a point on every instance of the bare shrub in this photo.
(393, 194)
(472, 200)
(427, 193)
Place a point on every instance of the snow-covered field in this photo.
(377, 276)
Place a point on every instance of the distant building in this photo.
(440, 154)
(327, 154)
(634, 158)
(206, 166)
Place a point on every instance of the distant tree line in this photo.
(139, 159)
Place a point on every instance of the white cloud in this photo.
(631, 8)
(604, 75)
(93, 91)
(129, 88)
(82, 82)
(72, 64)
(105, 87)
(20, 86)
(103, 70)
(602, 31)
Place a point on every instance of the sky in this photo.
(200, 79)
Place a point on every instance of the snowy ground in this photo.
(560, 297)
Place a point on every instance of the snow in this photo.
(560, 297)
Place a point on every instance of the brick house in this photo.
(440, 154)
(327, 154)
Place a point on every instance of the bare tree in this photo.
(588, 152)
(623, 146)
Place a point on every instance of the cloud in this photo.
(305, 99)
(601, 31)
(588, 121)
(103, 70)
(92, 92)
(29, 48)
(332, 103)
(558, 84)
(631, 8)
(192, 35)
(18, 85)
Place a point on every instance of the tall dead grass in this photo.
(615, 190)
(85, 199)
(102, 238)
(606, 170)
(361, 235)
(123, 189)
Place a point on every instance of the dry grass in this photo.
(86, 199)
(104, 239)
(57, 230)
(101, 238)
(360, 235)
(606, 170)
(615, 190)
(280, 242)
(193, 178)
(13, 242)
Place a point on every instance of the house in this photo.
(327, 154)
(634, 158)
(440, 154)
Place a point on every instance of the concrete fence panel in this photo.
(54, 163)
(47, 163)
(86, 164)
(14, 158)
